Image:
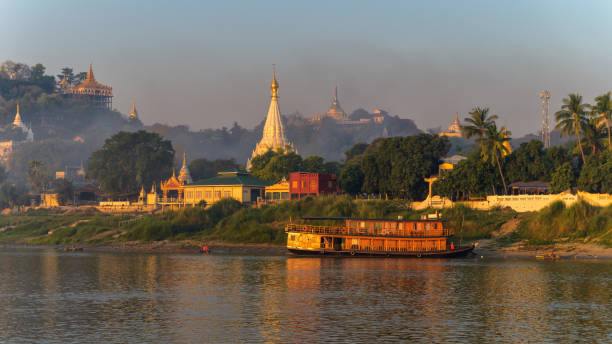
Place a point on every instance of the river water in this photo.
(57, 297)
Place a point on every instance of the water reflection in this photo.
(111, 297)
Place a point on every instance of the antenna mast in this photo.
(545, 97)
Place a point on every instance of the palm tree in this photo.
(592, 136)
(495, 147)
(571, 118)
(603, 111)
(478, 123)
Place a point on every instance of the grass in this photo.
(579, 222)
(230, 221)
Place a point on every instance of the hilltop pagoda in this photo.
(133, 113)
(95, 93)
(454, 130)
(335, 111)
(274, 132)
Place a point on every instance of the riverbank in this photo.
(230, 227)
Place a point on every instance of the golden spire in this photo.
(274, 84)
(17, 122)
(90, 74)
(133, 113)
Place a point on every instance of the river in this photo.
(58, 297)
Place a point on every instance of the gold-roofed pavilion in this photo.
(90, 90)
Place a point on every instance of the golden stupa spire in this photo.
(90, 74)
(133, 113)
(17, 122)
(274, 84)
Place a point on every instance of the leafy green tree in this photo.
(128, 161)
(562, 178)
(399, 165)
(596, 174)
(602, 110)
(260, 162)
(571, 118)
(279, 167)
(470, 178)
(356, 150)
(38, 71)
(494, 148)
(332, 167)
(478, 122)
(315, 164)
(351, 178)
(592, 135)
(38, 175)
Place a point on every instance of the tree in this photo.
(602, 110)
(478, 121)
(129, 161)
(596, 174)
(356, 150)
(351, 178)
(399, 165)
(471, 177)
(571, 118)
(562, 178)
(38, 176)
(38, 71)
(494, 148)
(315, 164)
(8, 195)
(68, 74)
(279, 167)
(64, 191)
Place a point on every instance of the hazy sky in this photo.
(208, 63)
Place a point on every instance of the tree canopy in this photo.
(128, 161)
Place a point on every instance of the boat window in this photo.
(435, 226)
(362, 224)
(415, 227)
(293, 238)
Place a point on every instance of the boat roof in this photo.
(344, 218)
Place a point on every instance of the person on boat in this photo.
(452, 245)
(204, 249)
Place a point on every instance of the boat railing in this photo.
(339, 230)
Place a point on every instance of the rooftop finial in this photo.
(336, 94)
(274, 84)
(133, 113)
(184, 159)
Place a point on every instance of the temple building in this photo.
(454, 130)
(274, 132)
(7, 147)
(133, 113)
(335, 111)
(239, 185)
(95, 93)
(18, 123)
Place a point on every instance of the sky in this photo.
(207, 64)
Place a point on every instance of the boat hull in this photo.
(451, 253)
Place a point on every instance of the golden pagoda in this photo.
(133, 113)
(335, 111)
(93, 92)
(454, 130)
(274, 132)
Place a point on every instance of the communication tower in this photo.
(545, 97)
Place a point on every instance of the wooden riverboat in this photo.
(428, 237)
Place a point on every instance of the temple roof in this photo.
(91, 87)
(17, 121)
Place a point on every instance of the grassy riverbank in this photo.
(228, 221)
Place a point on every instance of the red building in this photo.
(302, 184)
